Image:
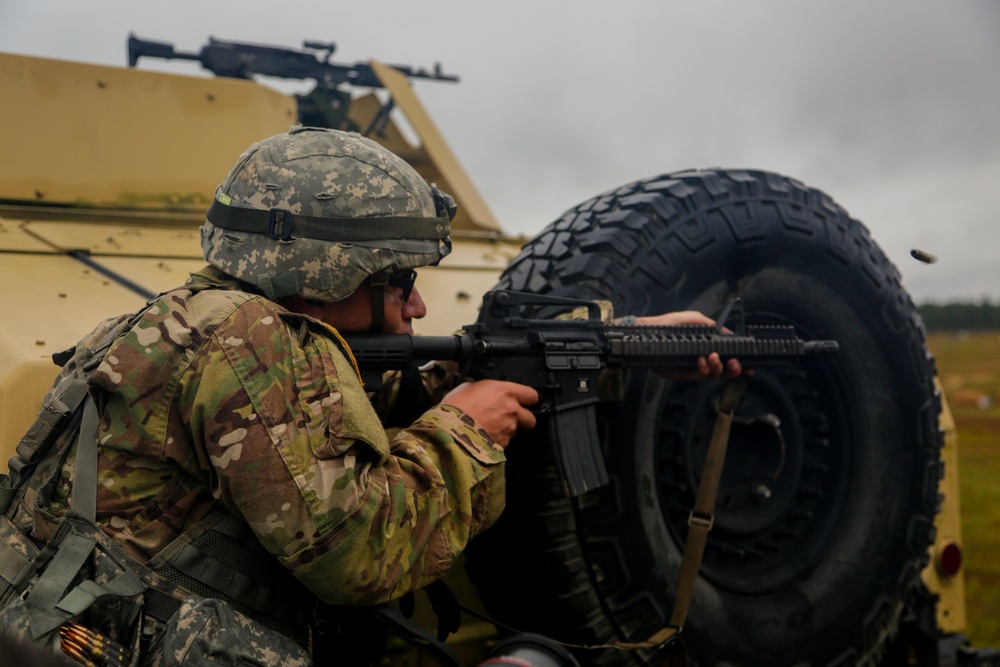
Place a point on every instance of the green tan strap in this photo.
(34, 445)
(13, 561)
(41, 602)
(378, 282)
(82, 596)
(74, 550)
(84, 503)
(702, 516)
(700, 523)
(285, 225)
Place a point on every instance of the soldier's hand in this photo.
(710, 367)
(499, 407)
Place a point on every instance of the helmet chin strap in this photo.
(378, 283)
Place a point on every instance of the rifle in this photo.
(325, 105)
(563, 360)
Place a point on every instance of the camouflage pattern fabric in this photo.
(322, 173)
(112, 620)
(222, 396)
(208, 632)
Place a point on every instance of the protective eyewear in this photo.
(404, 280)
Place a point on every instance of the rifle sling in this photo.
(699, 524)
(702, 517)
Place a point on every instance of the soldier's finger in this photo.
(526, 419)
(714, 366)
(524, 394)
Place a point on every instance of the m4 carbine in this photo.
(564, 358)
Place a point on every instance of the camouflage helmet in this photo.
(315, 212)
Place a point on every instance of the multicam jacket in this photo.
(220, 396)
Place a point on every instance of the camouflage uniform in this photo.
(225, 420)
(221, 396)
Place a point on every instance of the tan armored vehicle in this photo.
(828, 547)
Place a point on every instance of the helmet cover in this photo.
(334, 178)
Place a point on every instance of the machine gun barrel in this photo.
(146, 48)
(240, 61)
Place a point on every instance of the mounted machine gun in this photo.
(326, 105)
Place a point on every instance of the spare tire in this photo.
(826, 508)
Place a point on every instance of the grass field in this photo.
(969, 369)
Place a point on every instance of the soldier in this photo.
(237, 445)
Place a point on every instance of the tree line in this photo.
(955, 316)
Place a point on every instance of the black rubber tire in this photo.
(825, 516)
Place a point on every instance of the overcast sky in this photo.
(891, 107)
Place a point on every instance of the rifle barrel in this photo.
(671, 347)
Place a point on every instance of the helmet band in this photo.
(284, 225)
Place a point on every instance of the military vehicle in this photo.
(836, 537)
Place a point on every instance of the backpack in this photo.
(67, 586)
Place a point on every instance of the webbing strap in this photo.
(85, 474)
(191, 561)
(161, 606)
(8, 487)
(702, 516)
(12, 563)
(43, 598)
(283, 224)
(700, 523)
(378, 283)
(17, 553)
(230, 525)
(75, 549)
(34, 445)
(80, 598)
(66, 402)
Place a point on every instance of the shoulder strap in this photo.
(61, 410)
(48, 603)
(701, 519)
(54, 417)
(85, 474)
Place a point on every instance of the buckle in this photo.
(280, 223)
(703, 521)
(444, 203)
